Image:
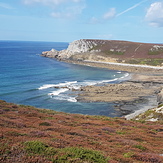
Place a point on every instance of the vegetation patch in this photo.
(35, 147)
(47, 111)
(74, 154)
(128, 154)
(156, 51)
(151, 62)
(15, 133)
(140, 147)
(154, 114)
(115, 52)
(121, 132)
(69, 154)
(45, 124)
(92, 139)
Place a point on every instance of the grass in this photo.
(152, 62)
(155, 52)
(121, 132)
(140, 147)
(151, 113)
(79, 155)
(128, 154)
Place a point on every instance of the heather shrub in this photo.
(45, 124)
(140, 147)
(148, 157)
(79, 155)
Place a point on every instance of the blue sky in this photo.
(69, 20)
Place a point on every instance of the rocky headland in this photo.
(110, 51)
(112, 54)
(145, 88)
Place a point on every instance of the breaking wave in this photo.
(63, 91)
(55, 93)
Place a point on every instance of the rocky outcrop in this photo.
(155, 114)
(51, 54)
(76, 47)
(81, 46)
(160, 97)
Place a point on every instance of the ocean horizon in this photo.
(29, 79)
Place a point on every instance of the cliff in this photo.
(111, 51)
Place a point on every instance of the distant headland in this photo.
(86, 50)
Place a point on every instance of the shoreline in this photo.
(126, 64)
(147, 80)
(132, 68)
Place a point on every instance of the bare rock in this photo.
(160, 97)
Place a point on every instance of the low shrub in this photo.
(155, 52)
(140, 147)
(45, 124)
(69, 154)
(152, 62)
(78, 155)
(128, 154)
(35, 147)
(147, 157)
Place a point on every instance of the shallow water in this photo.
(27, 78)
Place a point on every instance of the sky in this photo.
(69, 20)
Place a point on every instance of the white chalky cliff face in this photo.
(75, 47)
(78, 46)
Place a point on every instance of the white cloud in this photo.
(61, 8)
(69, 12)
(110, 14)
(154, 14)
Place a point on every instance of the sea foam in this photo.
(61, 89)
(55, 93)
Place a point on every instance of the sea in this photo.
(30, 79)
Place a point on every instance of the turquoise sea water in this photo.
(27, 78)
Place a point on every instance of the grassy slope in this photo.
(38, 135)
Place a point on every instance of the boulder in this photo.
(160, 97)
